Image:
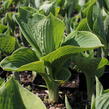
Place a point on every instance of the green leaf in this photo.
(7, 3)
(27, 26)
(99, 88)
(102, 63)
(93, 102)
(14, 96)
(95, 22)
(60, 63)
(102, 96)
(27, 10)
(48, 7)
(43, 33)
(83, 25)
(76, 42)
(87, 6)
(83, 39)
(9, 20)
(106, 27)
(67, 104)
(7, 43)
(37, 66)
(98, 23)
(23, 59)
(37, 3)
(102, 102)
(3, 28)
(1, 81)
(90, 16)
(90, 65)
(20, 58)
(63, 74)
(106, 6)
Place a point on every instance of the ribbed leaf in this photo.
(14, 96)
(37, 66)
(102, 96)
(43, 33)
(83, 25)
(76, 42)
(102, 102)
(27, 25)
(83, 39)
(7, 43)
(21, 60)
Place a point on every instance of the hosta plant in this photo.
(49, 49)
